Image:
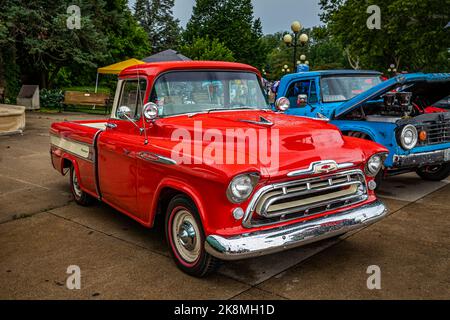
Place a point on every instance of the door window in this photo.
(132, 96)
(306, 87)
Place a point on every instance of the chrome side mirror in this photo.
(302, 99)
(282, 104)
(124, 113)
(150, 111)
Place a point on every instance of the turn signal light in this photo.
(422, 135)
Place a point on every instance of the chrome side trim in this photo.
(315, 166)
(79, 149)
(153, 157)
(265, 242)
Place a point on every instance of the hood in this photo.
(386, 86)
(283, 143)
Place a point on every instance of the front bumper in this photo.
(422, 159)
(278, 239)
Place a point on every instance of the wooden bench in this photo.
(87, 99)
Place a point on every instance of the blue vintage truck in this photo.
(399, 113)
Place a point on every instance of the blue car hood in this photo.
(387, 86)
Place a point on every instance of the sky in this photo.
(276, 15)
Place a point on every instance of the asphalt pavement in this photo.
(43, 232)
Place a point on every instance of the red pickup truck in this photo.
(198, 143)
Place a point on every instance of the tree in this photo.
(38, 43)
(39, 40)
(232, 23)
(325, 52)
(412, 34)
(206, 49)
(156, 17)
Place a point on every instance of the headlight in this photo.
(241, 187)
(408, 137)
(375, 164)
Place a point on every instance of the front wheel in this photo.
(186, 238)
(434, 173)
(81, 197)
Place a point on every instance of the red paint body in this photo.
(133, 186)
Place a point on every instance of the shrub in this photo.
(51, 99)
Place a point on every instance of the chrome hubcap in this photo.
(76, 186)
(185, 233)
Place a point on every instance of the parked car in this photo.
(401, 113)
(320, 183)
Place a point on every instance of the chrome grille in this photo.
(437, 131)
(307, 197)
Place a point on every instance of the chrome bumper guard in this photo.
(260, 243)
(421, 159)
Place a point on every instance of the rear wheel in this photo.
(80, 197)
(434, 173)
(185, 236)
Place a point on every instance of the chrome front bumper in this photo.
(421, 159)
(260, 243)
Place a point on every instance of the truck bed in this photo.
(73, 142)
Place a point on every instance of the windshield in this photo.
(343, 88)
(201, 91)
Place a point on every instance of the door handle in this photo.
(111, 125)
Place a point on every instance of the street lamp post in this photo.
(298, 40)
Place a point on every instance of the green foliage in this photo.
(322, 52)
(412, 34)
(35, 38)
(233, 24)
(51, 99)
(156, 18)
(205, 49)
(325, 52)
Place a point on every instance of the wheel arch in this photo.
(166, 191)
(371, 135)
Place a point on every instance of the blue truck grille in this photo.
(437, 131)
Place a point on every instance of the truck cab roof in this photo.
(152, 69)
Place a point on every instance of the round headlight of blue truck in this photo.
(408, 137)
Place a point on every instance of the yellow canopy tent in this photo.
(116, 68)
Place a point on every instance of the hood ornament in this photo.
(262, 121)
(321, 167)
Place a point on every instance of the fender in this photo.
(362, 129)
(180, 186)
(73, 160)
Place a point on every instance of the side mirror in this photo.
(124, 113)
(282, 104)
(150, 111)
(302, 99)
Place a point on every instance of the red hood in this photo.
(300, 140)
